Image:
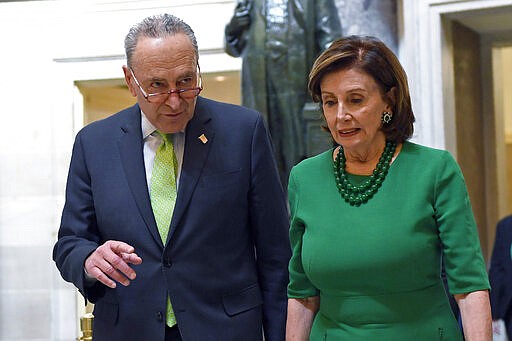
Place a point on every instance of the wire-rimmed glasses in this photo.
(160, 97)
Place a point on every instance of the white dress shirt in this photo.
(151, 143)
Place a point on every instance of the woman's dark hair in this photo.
(373, 57)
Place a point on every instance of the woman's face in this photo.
(353, 104)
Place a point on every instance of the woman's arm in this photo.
(475, 311)
(301, 312)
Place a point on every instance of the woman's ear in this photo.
(391, 97)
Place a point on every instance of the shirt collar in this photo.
(147, 127)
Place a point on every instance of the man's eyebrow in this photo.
(159, 79)
(188, 74)
(185, 74)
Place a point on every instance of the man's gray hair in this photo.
(157, 26)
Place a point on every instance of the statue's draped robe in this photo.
(278, 50)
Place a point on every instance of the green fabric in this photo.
(376, 267)
(163, 197)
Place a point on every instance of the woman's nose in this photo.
(343, 113)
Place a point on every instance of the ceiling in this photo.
(486, 21)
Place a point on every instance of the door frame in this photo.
(426, 51)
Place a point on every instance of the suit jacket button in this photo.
(167, 262)
(159, 316)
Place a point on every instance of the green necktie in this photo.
(163, 196)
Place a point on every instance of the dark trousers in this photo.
(172, 334)
(508, 323)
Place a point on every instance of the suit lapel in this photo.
(194, 158)
(130, 146)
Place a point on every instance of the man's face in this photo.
(160, 65)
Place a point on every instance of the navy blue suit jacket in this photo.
(225, 262)
(500, 271)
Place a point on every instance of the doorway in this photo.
(481, 43)
(502, 84)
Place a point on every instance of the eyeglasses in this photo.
(160, 97)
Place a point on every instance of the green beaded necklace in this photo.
(356, 195)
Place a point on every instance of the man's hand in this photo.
(109, 263)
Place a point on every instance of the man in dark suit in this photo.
(500, 274)
(219, 269)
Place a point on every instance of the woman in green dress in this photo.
(373, 219)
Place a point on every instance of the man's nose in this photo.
(173, 100)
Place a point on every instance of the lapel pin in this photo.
(203, 138)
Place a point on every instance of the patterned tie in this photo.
(163, 196)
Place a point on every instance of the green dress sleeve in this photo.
(465, 266)
(299, 286)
